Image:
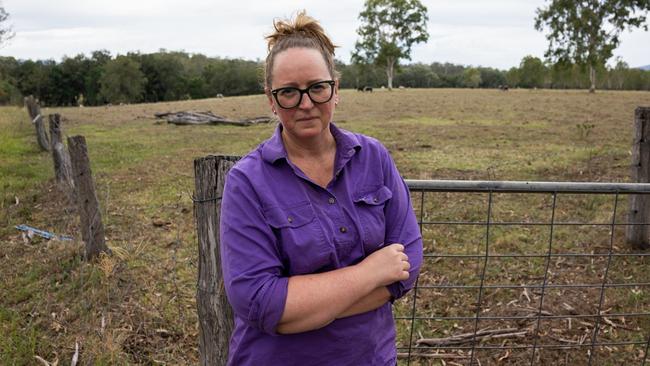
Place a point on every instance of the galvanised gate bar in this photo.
(526, 273)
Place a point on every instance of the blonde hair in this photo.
(301, 32)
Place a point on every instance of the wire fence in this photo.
(526, 273)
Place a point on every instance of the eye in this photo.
(287, 92)
(318, 87)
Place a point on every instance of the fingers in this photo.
(406, 266)
(391, 262)
(397, 246)
(402, 256)
(404, 275)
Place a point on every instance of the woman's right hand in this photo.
(388, 264)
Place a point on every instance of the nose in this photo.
(305, 102)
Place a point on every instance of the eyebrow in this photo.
(309, 83)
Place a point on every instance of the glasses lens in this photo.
(320, 92)
(288, 97)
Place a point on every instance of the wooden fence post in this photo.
(34, 111)
(215, 314)
(32, 107)
(92, 229)
(62, 164)
(638, 236)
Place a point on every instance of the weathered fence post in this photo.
(62, 164)
(638, 236)
(34, 111)
(92, 229)
(215, 314)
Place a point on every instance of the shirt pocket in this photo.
(370, 203)
(300, 237)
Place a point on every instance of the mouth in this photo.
(305, 119)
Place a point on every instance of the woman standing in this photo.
(317, 229)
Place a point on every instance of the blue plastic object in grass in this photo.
(42, 233)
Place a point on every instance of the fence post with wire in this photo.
(638, 236)
(34, 111)
(215, 314)
(92, 228)
(60, 156)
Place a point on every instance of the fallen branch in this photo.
(207, 118)
(431, 355)
(564, 340)
(480, 335)
(534, 310)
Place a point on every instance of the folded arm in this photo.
(372, 301)
(315, 300)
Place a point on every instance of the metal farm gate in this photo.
(526, 273)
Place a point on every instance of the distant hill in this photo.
(646, 67)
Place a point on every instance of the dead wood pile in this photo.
(207, 118)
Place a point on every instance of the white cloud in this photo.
(471, 32)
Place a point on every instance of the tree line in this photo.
(100, 78)
(532, 72)
(132, 78)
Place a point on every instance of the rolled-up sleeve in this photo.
(401, 225)
(252, 268)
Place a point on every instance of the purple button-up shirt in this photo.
(276, 223)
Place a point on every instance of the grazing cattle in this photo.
(365, 89)
(219, 95)
(503, 87)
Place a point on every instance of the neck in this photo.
(314, 147)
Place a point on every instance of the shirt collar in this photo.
(347, 144)
(273, 148)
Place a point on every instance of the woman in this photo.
(317, 230)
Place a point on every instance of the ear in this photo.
(336, 91)
(267, 91)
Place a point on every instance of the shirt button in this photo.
(375, 200)
(290, 219)
(331, 200)
(343, 229)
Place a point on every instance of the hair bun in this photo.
(302, 26)
(302, 31)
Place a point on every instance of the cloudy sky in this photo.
(470, 32)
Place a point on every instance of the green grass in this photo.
(18, 341)
(17, 143)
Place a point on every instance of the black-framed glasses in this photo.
(290, 97)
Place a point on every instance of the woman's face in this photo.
(301, 68)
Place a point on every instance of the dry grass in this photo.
(138, 307)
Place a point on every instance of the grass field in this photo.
(138, 307)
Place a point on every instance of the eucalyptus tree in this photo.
(388, 31)
(122, 81)
(6, 31)
(587, 32)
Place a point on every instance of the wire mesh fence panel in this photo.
(525, 274)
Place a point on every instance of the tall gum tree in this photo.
(6, 33)
(587, 32)
(389, 28)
